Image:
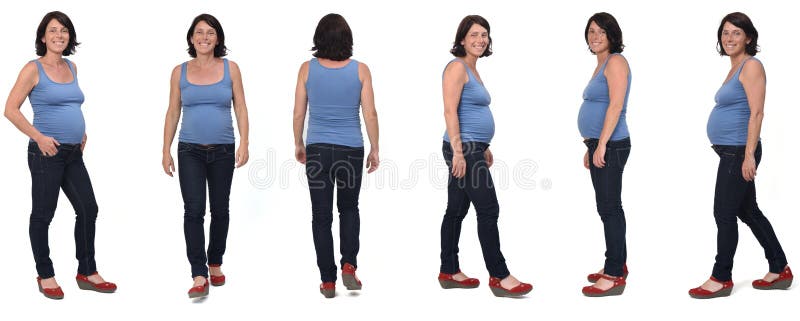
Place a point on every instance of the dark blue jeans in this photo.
(476, 187)
(330, 166)
(198, 165)
(734, 197)
(607, 182)
(66, 171)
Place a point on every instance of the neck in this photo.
(204, 59)
(601, 57)
(737, 60)
(51, 58)
(471, 60)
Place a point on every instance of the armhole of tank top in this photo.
(741, 67)
(470, 76)
(183, 79)
(226, 70)
(71, 69)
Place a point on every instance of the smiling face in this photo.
(733, 39)
(597, 39)
(204, 38)
(476, 41)
(56, 37)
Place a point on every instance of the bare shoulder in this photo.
(455, 67)
(617, 62)
(233, 65)
(363, 70)
(29, 68)
(753, 68)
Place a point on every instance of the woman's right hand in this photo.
(300, 154)
(586, 160)
(48, 145)
(459, 165)
(168, 164)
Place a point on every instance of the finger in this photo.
(56, 142)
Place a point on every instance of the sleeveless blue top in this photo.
(334, 98)
(592, 114)
(727, 124)
(207, 110)
(57, 107)
(475, 119)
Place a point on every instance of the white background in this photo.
(550, 231)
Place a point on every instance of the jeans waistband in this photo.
(335, 147)
(206, 146)
(62, 146)
(468, 147)
(621, 143)
(732, 149)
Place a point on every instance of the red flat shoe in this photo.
(448, 282)
(50, 293)
(217, 280)
(85, 284)
(349, 278)
(700, 293)
(199, 291)
(783, 282)
(616, 289)
(328, 289)
(499, 291)
(592, 278)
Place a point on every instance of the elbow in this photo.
(8, 114)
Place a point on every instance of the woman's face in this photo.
(204, 38)
(597, 38)
(56, 37)
(476, 41)
(733, 39)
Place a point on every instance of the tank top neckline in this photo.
(185, 73)
(738, 71)
(603, 67)
(69, 65)
(332, 68)
(469, 71)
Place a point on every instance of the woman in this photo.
(734, 129)
(332, 86)
(601, 122)
(203, 89)
(55, 151)
(470, 128)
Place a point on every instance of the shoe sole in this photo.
(451, 284)
(718, 294)
(780, 285)
(328, 293)
(88, 286)
(502, 293)
(594, 280)
(218, 283)
(350, 282)
(617, 290)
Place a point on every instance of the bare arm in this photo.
(27, 79)
(240, 108)
(370, 116)
(171, 120)
(754, 81)
(616, 73)
(300, 107)
(455, 76)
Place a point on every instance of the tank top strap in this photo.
(741, 66)
(605, 63)
(71, 69)
(226, 74)
(183, 81)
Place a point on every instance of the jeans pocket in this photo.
(37, 163)
(622, 156)
(183, 147)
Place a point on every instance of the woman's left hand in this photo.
(372, 161)
(599, 157)
(242, 155)
(749, 168)
(489, 158)
(83, 143)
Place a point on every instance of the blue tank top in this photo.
(334, 98)
(592, 114)
(727, 124)
(57, 107)
(475, 119)
(207, 110)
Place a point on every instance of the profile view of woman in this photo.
(55, 151)
(470, 128)
(202, 89)
(601, 122)
(332, 88)
(734, 129)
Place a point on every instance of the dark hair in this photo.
(742, 21)
(463, 28)
(333, 39)
(606, 22)
(41, 47)
(219, 50)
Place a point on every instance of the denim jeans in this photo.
(66, 171)
(607, 182)
(734, 197)
(198, 165)
(476, 187)
(330, 166)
